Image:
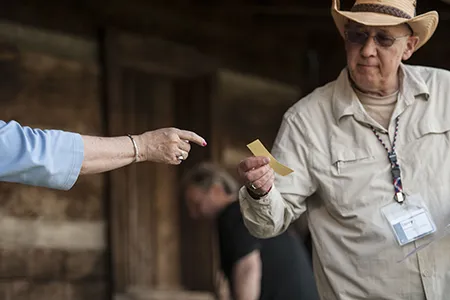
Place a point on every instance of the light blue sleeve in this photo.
(47, 158)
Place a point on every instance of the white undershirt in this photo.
(379, 108)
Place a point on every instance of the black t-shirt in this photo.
(286, 269)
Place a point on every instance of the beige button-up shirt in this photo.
(342, 178)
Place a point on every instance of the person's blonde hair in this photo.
(206, 174)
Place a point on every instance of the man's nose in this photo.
(369, 48)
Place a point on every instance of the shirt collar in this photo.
(345, 102)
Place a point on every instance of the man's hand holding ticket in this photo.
(258, 171)
(258, 149)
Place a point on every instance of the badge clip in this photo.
(399, 197)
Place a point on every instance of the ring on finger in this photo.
(253, 187)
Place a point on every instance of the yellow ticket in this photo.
(258, 149)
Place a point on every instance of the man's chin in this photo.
(364, 83)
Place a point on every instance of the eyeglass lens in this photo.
(360, 37)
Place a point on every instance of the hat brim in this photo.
(423, 25)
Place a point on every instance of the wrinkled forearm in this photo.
(103, 154)
(265, 217)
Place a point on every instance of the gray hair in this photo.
(204, 175)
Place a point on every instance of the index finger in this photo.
(253, 162)
(192, 137)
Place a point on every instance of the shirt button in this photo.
(426, 273)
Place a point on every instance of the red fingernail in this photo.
(204, 144)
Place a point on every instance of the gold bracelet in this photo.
(136, 150)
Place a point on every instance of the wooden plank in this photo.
(167, 248)
(168, 58)
(194, 113)
(116, 189)
(142, 294)
(145, 183)
(145, 227)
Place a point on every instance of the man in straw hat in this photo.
(370, 153)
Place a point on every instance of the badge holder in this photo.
(442, 233)
(409, 220)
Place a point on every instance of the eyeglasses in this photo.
(381, 39)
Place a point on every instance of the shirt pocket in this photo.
(430, 128)
(427, 166)
(356, 175)
(344, 159)
(427, 156)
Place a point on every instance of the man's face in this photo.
(200, 202)
(375, 53)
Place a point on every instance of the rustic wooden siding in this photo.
(52, 243)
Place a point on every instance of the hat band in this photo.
(381, 9)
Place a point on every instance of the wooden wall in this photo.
(155, 248)
(52, 244)
(129, 227)
(248, 108)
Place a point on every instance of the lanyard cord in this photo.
(395, 167)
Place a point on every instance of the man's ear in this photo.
(411, 44)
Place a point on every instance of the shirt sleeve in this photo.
(47, 158)
(272, 214)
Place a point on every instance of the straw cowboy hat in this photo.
(387, 13)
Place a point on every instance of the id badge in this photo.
(409, 221)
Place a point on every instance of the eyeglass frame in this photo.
(374, 37)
